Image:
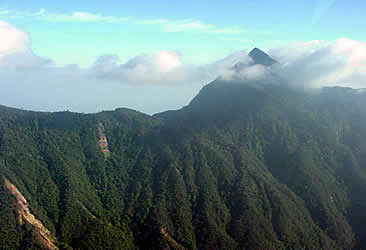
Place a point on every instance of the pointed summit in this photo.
(260, 57)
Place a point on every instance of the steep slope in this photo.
(244, 165)
(44, 235)
(56, 163)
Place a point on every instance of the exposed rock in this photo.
(170, 239)
(25, 216)
(103, 142)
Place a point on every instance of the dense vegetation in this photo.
(242, 166)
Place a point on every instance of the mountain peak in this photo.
(260, 57)
(256, 50)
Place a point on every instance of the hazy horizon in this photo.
(92, 57)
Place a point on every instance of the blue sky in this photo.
(212, 30)
(151, 56)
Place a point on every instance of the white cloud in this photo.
(319, 64)
(15, 49)
(158, 81)
(12, 39)
(165, 68)
(163, 61)
(295, 50)
(255, 73)
(160, 67)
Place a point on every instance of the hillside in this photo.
(242, 166)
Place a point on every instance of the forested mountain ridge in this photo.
(242, 166)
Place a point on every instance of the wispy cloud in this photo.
(81, 17)
(165, 25)
(154, 21)
(184, 26)
(78, 16)
(192, 25)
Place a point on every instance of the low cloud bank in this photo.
(163, 67)
(317, 64)
(158, 81)
(311, 64)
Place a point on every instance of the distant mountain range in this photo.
(243, 166)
